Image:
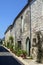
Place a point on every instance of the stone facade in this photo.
(13, 33)
(27, 23)
(36, 20)
(7, 35)
(16, 30)
(22, 28)
(25, 27)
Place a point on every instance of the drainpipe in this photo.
(30, 24)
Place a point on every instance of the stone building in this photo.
(20, 29)
(26, 24)
(26, 30)
(8, 33)
(21, 25)
(16, 30)
(36, 21)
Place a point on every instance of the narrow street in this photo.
(6, 58)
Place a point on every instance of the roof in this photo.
(9, 28)
(22, 11)
(20, 14)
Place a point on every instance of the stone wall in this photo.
(36, 18)
(22, 28)
(18, 28)
(7, 35)
(26, 26)
(13, 33)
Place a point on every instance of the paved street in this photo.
(7, 59)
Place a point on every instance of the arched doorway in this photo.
(28, 46)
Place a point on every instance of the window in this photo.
(19, 44)
(22, 20)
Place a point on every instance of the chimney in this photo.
(29, 0)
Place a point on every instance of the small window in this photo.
(19, 44)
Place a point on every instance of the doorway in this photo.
(28, 46)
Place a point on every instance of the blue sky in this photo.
(8, 11)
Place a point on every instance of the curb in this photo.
(19, 59)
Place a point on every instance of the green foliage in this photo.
(18, 51)
(24, 52)
(11, 39)
(11, 47)
(11, 43)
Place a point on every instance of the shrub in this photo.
(11, 43)
(19, 52)
(11, 47)
(24, 52)
(11, 39)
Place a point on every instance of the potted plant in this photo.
(23, 54)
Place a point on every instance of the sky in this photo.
(9, 9)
